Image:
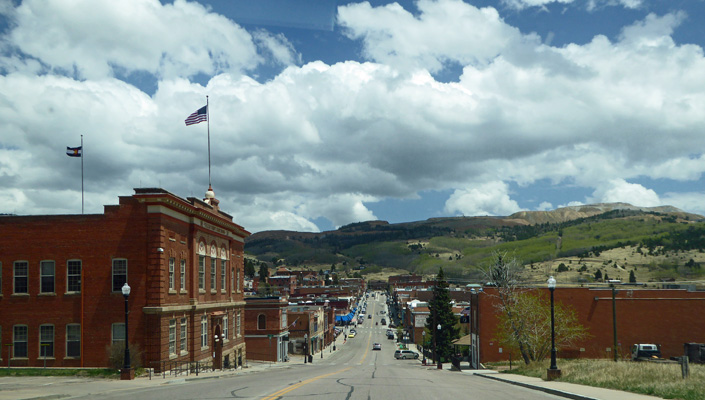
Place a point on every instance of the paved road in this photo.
(352, 372)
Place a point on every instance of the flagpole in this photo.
(82, 155)
(208, 119)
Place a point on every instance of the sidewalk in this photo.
(61, 387)
(563, 389)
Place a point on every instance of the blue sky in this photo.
(325, 113)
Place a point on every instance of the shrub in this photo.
(116, 355)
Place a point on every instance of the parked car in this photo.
(369, 316)
(377, 346)
(352, 334)
(383, 321)
(406, 355)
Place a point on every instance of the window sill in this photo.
(49, 294)
(79, 293)
(184, 353)
(172, 356)
(203, 291)
(183, 291)
(72, 358)
(213, 291)
(172, 291)
(19, 359)
(20, 295)
(41, 358)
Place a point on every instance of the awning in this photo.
(463, 341)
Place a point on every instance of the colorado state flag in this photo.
(74, 151)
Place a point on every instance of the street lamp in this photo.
(127, 373)
(423, 335)
(305, 347)
(553, 371)
(440, 365)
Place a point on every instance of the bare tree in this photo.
(524, 314)
(506, 274)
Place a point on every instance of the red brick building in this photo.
(266, 328)
(62, 277)
(663, 316)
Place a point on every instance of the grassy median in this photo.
(663, 380)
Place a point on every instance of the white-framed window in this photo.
(19, 341)
(118, 332)
(201, 272)
(223, 266)
(119, 274)
(204, 331)
(46, 341)
(21, 277)
(73, 276)
(172, 265)
(238, 281)
(47, 276)
(183, 335)
(261, 321)
(73, 340)
(182, 275)
(213, 266)
(239, 323)
(172, 337)
(226, 331)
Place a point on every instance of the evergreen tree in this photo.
(249, 269)
(263, 272)
(632, 277)
(598, 275)
(441, 312)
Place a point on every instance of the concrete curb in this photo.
(554, 392)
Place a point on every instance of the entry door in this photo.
(217, 349)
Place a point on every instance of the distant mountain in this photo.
(570, 213)
(461, 244)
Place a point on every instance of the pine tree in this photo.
(441, 312)
(632, 277)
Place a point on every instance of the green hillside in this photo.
(462, 246)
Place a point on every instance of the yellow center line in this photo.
(302, 383)
(306, 382)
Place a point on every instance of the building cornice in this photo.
(190, 307)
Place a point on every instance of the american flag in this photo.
(198, 116)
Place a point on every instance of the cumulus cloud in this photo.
(619, 190)
(95, 38)
(591, 4)
(450, 31)
(319, 141)
(490, 198)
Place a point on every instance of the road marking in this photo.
(302, 383)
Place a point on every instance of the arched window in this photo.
(261, 322)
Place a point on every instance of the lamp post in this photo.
(305, 348)
(127, 372)
(553, 371)
(423, 335)
(440, 365)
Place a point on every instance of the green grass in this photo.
(655, 379)
(84, 372)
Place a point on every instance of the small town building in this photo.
(61, 300)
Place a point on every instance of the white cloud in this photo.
(96, 38)
(490, 198)
(319, 140)
(618, 190)
(690, 201)
(445, 31)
